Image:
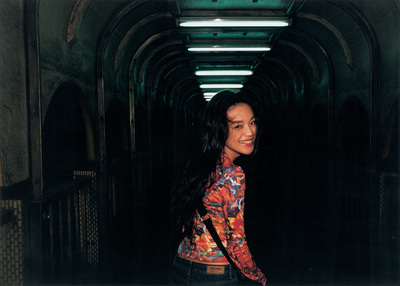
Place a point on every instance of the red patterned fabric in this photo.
(224, 201)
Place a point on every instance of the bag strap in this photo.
(211, 229)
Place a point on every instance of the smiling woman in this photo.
(100, 102)
(212, 180)
(242, 131)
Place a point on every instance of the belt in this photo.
(209, 268)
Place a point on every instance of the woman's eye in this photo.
(253, 123)
(237, 126)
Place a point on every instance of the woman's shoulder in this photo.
(227, 169)
(232, 171)
(232, 168)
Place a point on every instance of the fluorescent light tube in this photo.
(228, 49)
(209, 94)
(223, 72)
(210, 86)
(234, 22)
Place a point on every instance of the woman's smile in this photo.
(248, 142)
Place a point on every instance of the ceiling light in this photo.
(209, 94)
(223, 72)
(219, 86)
(234, 22)
(220, 48)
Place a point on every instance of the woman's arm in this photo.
(232, 188)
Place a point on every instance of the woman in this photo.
(228, 130)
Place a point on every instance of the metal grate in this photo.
(13, 242)
(88, 219)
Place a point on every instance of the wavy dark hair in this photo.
(191, 184)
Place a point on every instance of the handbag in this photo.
(243, 280)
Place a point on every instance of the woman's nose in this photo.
(250, 130)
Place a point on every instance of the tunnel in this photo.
(101, 104)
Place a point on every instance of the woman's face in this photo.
(242, 131)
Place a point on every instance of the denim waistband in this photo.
(200, 266)
(187, 272)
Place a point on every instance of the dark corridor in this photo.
(101, 104)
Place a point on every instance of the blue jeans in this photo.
(187, 272)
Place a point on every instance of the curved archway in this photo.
(68, 142)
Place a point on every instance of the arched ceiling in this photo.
(143, 49)
(143, 43)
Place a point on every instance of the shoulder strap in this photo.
(207, 221)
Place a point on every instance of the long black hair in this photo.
(190, 186)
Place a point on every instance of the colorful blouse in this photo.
(224, 201)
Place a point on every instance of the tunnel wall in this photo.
(13, 115)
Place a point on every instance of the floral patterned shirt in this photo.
(224, 201)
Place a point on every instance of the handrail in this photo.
(21, 191)
(17, 191)
(65, 187)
